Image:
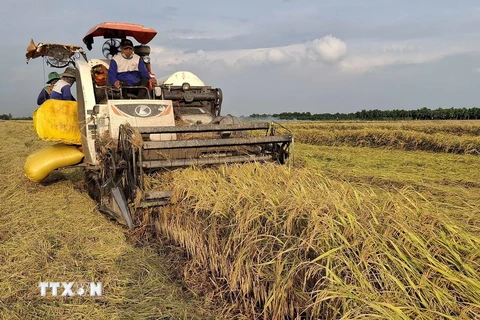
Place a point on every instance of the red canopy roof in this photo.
(119, 30)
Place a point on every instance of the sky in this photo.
(271, 56)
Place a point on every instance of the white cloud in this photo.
(329, 49)
(278, 56)
(371, 56)
(327, 52)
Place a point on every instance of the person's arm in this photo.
(67, 94)
(143, 69)
(42, 97)
(112, 72)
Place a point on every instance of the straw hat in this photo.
(69, 72)
(53, 76)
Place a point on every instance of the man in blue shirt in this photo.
(44, 95)
(128, 69)
(61, 90)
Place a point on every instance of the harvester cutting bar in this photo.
(205, 128)
(181, 144)
(155, 199)
(202, 161)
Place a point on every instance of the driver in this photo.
(128, 69)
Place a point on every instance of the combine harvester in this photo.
(124, 138)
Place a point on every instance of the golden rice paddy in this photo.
(372, 221)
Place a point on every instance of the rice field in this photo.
(371, 221)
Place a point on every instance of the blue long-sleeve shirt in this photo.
(130, 77)
(61, 91)
(42, 96)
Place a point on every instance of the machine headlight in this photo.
(146, 59)
(185, 86)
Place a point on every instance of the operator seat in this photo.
(100, 78)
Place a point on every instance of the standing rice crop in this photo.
(281, 243)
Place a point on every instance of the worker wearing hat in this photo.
(61, 90)
(128, 69)
(44, 95)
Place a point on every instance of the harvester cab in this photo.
(180, 124)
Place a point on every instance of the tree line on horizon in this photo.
(10, 117)
(375, 114)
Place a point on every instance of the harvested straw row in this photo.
(458, 128)
(391, 139)
(282, 243)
